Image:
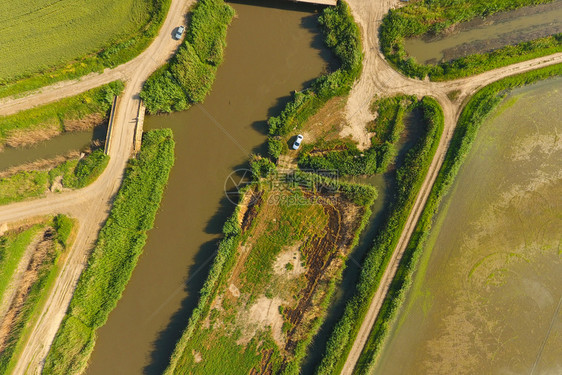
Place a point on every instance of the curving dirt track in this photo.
(379, 78)
(91, 205)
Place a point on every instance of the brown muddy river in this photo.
(486, 298)
(272, 49)
(483, 35)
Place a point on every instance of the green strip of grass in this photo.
(409, 179)
(75, 174)
(114, 53)
(433, 16)
(56, 115)
(115, 255)
(189, 76)
(38, 293)
(12, 247)
(472, 117)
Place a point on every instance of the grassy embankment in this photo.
(79, 112)
(41, 47)
(342, 155)
(73, 174)
(273, 276)
(115, 255)
(409, 177)
(342, 35)
(57, 238)
(433, 17)
(473, 115)
(83, 111)
(188, 77)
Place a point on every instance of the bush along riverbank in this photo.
(71, 174)
(432, 17)
(188, 77)
(344, 157)
(473, 115)
(80, 112)
(115, 255)
(409, 178)
(56, 237)
(115, 53)
(341, 34)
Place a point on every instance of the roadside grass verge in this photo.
(43, 47)
(78, 112)
(409, 178)
(433, 17)
(472, 117)
(73, 174)
(58, 237)
(283, 247)
(12, 247)
(188, 77)
(115, 255)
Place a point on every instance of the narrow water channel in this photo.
(59, 145)
(486, 34)
(273, 49)
(486, 298)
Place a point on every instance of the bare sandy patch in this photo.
(263, 314)
(289, 262)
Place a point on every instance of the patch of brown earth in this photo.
(85, 123)
(327, 122)
(28, 137)
(43, 250)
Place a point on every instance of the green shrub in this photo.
(87, 170)
(188, 78)
(63, 227)
(433, 16)
(115, 255)
(275, 146)
(261, 167)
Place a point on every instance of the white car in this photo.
(179, 32)
(297, 143)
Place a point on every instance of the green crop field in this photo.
(35, 35)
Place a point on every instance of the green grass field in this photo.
(55, 38)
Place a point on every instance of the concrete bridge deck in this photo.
(320, 2)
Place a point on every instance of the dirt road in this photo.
(379, 78)
(90, 205)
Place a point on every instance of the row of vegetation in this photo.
(435, 16)
(298, 219)
(342, 35)
(409, 178)
(472, 117)
(344, 156)
(121, 31)
(82, 111)
(72, 174)
(115, 255)
(189, 76)
(12, 246)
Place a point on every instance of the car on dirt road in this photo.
(179, 32)
(297, 143)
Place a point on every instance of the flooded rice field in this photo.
(486, 297)
(486, 34)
